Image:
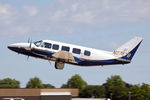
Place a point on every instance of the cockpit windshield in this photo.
(38, 43)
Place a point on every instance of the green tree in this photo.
(95, 91)
(34, 83)
(64, 86)
(48, 86)
(117, 87)
(75, 82)
(9, 83)
(136, 93)
(146, 91)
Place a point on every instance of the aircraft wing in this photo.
(64, 56)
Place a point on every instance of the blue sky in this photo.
(101, 24)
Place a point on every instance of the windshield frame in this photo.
(38, 43)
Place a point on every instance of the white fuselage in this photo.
(77, 55)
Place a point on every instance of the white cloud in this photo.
(74, 7)
(127, 10)
(86, 17)
(9, 22)
(4, 9)
(20, 30)
(5, 13)
(31, 10)
(65, 16)
(59, 15)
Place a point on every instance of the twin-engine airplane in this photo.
(63, 53)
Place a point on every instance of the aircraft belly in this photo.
(100, 62)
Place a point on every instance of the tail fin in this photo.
(127, 51)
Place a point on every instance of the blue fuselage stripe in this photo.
(41, 53)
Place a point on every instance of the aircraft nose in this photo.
(18, 46)
(9, 47)
(12, 46)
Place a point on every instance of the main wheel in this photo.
(59, 65)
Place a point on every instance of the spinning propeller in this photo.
(30, 47)
(30, 41)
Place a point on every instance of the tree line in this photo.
(114, 88)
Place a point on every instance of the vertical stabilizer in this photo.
(128, 50)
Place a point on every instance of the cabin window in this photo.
(47, 45)
(55, 46)
(65, 48)
(87, 53)
(76, 50)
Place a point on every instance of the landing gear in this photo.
(59, 65)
